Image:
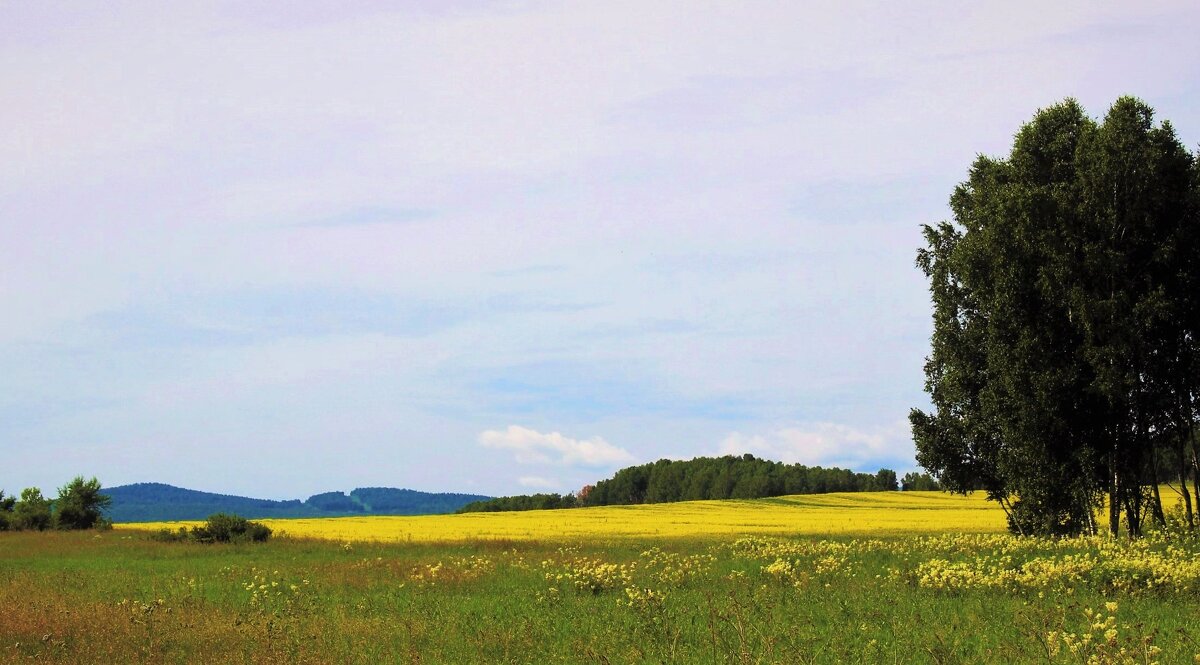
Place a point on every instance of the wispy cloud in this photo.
(533, 447)
(538, 482)
(828, 444)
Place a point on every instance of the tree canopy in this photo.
(727, 477)
(80, 504)
(1063, 363)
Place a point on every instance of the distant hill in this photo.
(155, 502)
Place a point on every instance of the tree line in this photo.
(79, 505)
(728, 477)
(1064, 371)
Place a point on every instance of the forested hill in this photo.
(729, 477)
(153, 502)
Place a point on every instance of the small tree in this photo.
(32, 511)
(80, 504)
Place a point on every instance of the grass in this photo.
(606, 597)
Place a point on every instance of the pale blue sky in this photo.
(500, 247)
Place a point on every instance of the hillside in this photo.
(152, 502)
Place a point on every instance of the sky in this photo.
(501, 247)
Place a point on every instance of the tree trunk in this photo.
(1090, 511)
(1114, 508)
(1196, 479)
(1183, 483)
(1156, 506)
(1195, 462)
(1008, 513)
(1114, 492)
(1133, 513)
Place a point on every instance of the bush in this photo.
(223, 528)
(165, 535)
(32, 511)
(6, 508)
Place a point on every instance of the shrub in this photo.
(165, 535)
(32, 511)
(224, 528)
(6, 508)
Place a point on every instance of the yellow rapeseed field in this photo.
(853, 514)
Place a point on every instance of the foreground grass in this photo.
(121, 597)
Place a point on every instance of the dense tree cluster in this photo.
(919, 482)
(79, 505)
(728, 477)
(1065, 370)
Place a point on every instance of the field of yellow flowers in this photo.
(890, 579)
(855, 513)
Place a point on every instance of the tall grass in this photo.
(121, 597)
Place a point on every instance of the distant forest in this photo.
(152, 502)
(729, 477)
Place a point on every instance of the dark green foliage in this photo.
(32, 511)
(151, 502)
(521, 502)
(1065, 305)
(729, 477)
(1049, 519)
(885, 480)
(6, 510)
(165, 535)
(223, 528)
(80, 505)
(919, 482)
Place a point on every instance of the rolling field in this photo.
(863, 578)
(853, 513)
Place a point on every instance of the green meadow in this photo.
(122, 597)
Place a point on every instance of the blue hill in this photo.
(154, 502)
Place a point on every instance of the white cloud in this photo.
(828, 444)
(537, 482)
(533, 447)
